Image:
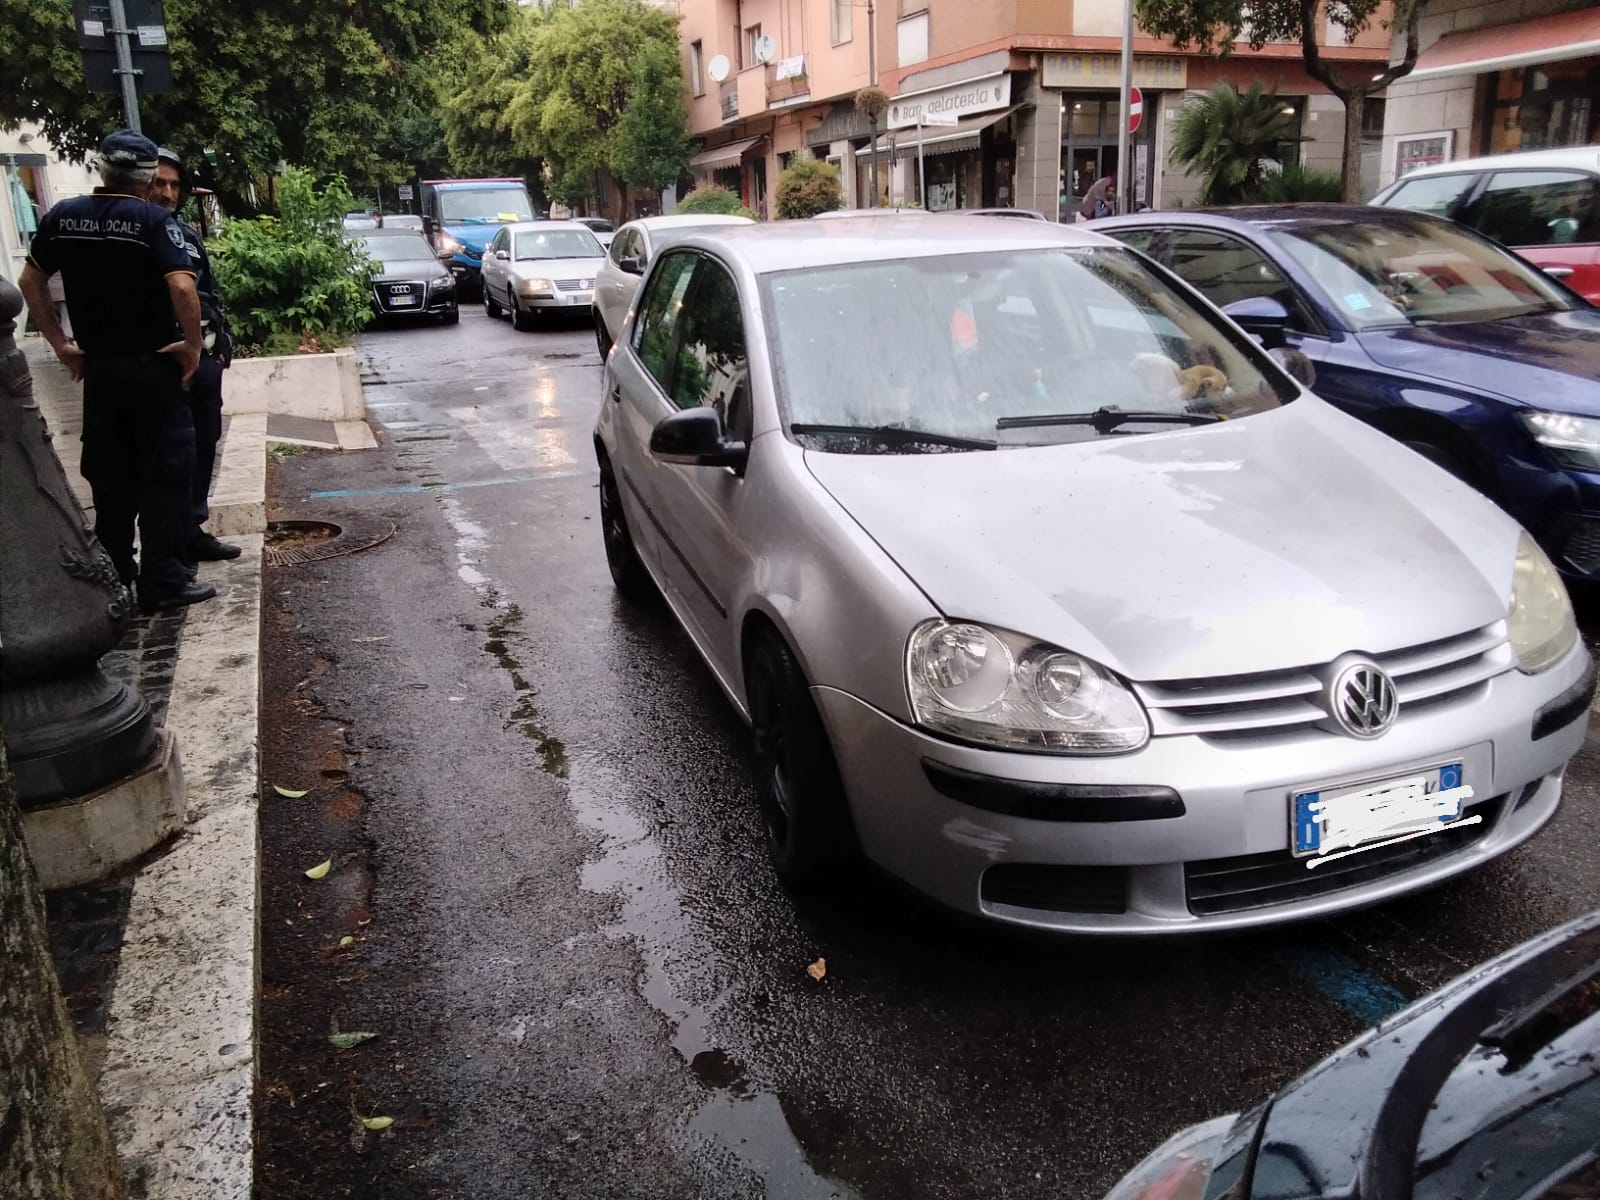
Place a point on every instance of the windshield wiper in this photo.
(901, 434)
(1105, 420)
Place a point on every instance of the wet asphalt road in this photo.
(588, 981)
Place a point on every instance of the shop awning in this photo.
(723, 156)
(944, 139)
(1519, 44)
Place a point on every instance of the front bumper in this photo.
(1560, 507)
(427, 299)
(1223, 861)
(583, 300)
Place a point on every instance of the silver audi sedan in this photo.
(1046, 590)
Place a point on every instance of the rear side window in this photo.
(1139, 239)
(625, 244)
(1440, 195)
(1538, 208)
(654, 331)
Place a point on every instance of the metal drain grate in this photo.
(357, 533)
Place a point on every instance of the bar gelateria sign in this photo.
(1077, 69)
(974, 96)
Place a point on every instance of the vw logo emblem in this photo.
(1363, 700)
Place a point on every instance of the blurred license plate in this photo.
(1335, 819)
(579, 297)
(403, 301)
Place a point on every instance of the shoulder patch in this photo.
(176, 236)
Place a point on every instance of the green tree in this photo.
(586, 68)
(1219, 25)
(1227, 137)
(1296, 184)
(475, 82)
(809, 187)
(294, 280)
(709, 198)
(326, 84)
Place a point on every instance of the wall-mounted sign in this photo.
(1422, 150)
(958, 100)
(1076, 69)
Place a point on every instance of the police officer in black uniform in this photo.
(136, 343)
(205, 389)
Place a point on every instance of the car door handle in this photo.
(616, 393)
(1558, 272)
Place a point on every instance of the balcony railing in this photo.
(730, 99)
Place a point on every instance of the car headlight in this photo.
(446, 283)
(448, 245)
(1540, 617)
(998, 688)
(532, 287)
(1571, 441)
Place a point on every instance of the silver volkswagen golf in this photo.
(1045, 589)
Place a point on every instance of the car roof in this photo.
(1256, 215)
(683, 220)
(784, 245)
(541, 226)
(1584, 158)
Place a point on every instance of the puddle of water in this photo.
(525, 713)
(740, 1115)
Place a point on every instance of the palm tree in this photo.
(1227, 136)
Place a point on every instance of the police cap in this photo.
(125, 148)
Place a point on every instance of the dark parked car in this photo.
(1488, 1088)
(1427, 330)
(411, 281)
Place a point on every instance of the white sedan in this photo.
(536, 266)
(630, 253)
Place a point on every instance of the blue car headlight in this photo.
(1571, 441)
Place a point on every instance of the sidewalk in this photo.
(160, 966)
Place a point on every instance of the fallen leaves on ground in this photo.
(348, 1041)
(818, 969)
(377, 1123)
(321, 869)
(347, 940)
(290, 793)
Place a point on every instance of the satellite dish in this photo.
(765, 48)
(717, 68)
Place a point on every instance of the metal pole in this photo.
(922, 176)
(1124, 166)
(125, 71)
(872, 73)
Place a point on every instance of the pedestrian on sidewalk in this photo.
(136, 344)
(170, 190)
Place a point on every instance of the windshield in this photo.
(557, 243)
(397, 249)
(1005, 348)
(494, 206)
(1403, 269)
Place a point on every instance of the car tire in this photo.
(521, 320)
(453, 317)
(602, 336)
(632, 581)
(490, 308)
(807, 819)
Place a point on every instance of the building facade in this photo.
(33, 177)
(1494, 77)
(1010, 102)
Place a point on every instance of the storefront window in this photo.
(1538, 107)
(25, 190)
(1089, 145)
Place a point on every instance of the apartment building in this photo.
(1033, 86)
(1494, 77)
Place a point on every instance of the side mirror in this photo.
(1262, 318)
(633, 265)
(694, 438)
(502, 255)
(1297, 363)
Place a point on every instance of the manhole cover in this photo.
(302, 541)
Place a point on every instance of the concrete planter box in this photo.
(316, 387)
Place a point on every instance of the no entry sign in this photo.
(1135, 109)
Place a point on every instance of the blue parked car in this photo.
(1465, 352)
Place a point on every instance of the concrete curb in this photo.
(178, 1080)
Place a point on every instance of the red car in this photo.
(1544, 204)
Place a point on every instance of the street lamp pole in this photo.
(1124, 166)
(872, 73)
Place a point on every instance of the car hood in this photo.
(1550, 361)
(557, 268)
(1280, 540)
(419, 268)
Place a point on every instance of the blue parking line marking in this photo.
(412, 489)
(1344, 981)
